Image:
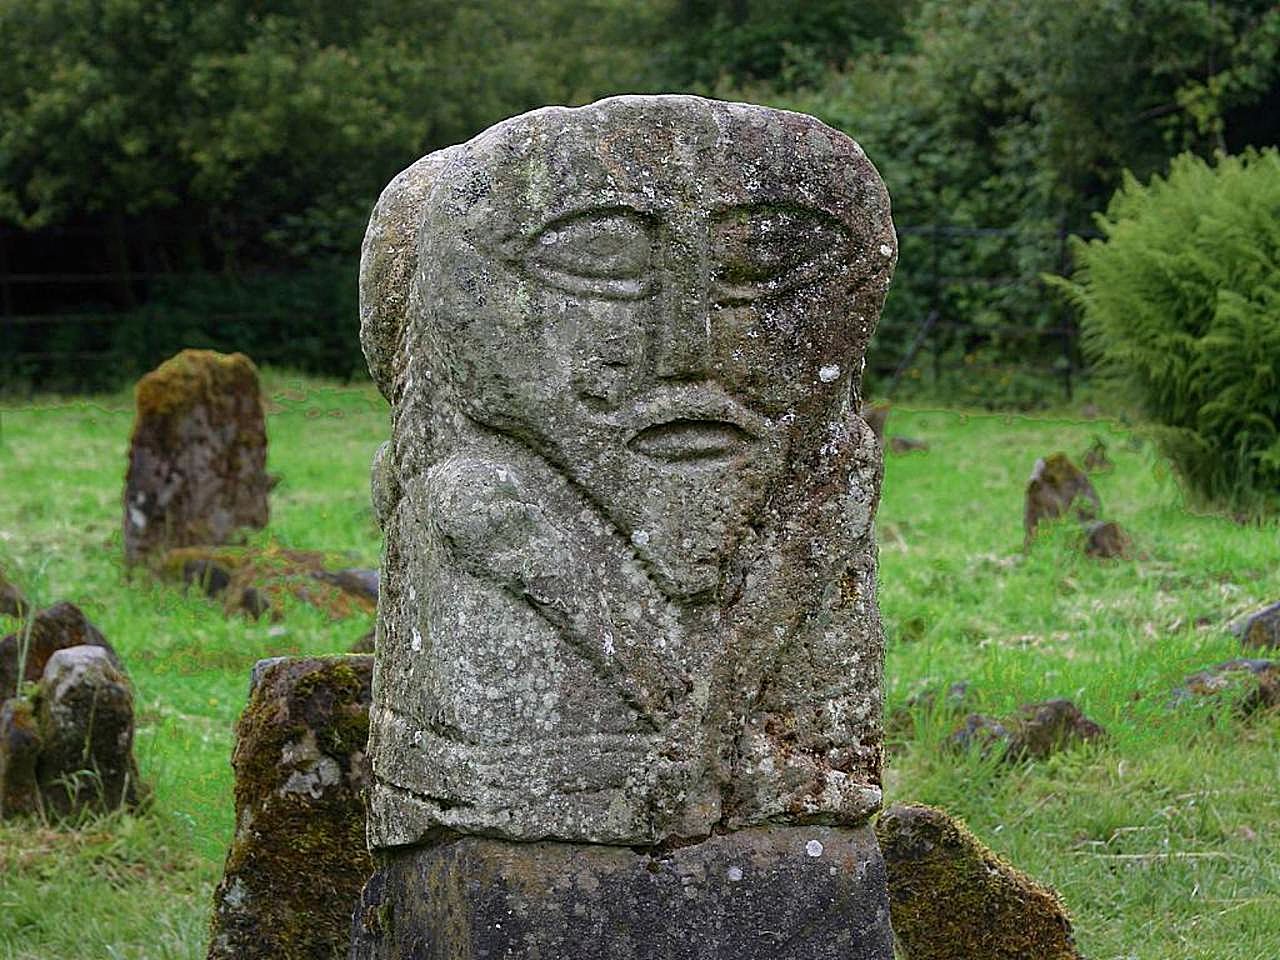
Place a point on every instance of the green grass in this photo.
(1163, 840)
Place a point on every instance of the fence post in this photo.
(1064, 314)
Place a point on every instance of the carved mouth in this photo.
(684, 440)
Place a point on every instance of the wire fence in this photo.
(968, 304)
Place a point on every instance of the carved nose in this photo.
(683, 330)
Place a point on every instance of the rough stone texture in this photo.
(721, 898)
(1253, 685)
(629, 584)
(56, 628)
(1034, 732)
(197, 458)
(84, 715)
(1107, 540)
(953, 899)
(298, 857)
(1057, 487)
(1260, 630)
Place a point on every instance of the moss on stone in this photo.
(952, 898)
(189, 377)
(298, 859)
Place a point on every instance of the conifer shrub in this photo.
(1180, 304)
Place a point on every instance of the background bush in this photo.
(1181, 306)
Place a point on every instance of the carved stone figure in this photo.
(628, 594)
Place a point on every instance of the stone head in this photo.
(667, 298)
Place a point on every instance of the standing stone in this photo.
(84, 717)
(1057, 487)
(298, 858)
(197, 458)
(629, 657)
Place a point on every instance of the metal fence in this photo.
(55, 320)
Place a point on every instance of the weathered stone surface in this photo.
(1058, 487)
(952, 898)
(629, 585)
(771, 893)
(84, 715)
(1252, 684)
(1260, 630)
(298, 857)
(1034, 732)
(197, 457)
(1107, 540)
(56, 628)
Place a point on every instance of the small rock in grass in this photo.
(907, 445)
(1095, 459)
(876, 415)
(952, 898)
(1034, 732)
(197, 456)
(84, 716)
(298, 859)
(1057, 487)
(60, 626)
(1259, 630)
(1107, 540)
(947, 701)
(1256, 684)
(358, 583)
(12, 602)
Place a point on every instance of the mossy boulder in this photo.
(952, 898)
(298, 858)
(198, 454)
(24, 654)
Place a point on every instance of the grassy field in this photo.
(1164, 840)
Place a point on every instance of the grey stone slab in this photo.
(771, 893)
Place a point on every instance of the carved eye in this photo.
(764, 251)
(602, 253)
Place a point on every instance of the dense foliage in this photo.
(1181, 304)
(251, 136)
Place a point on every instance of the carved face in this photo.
(665, 306)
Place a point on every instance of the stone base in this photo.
(770, 893)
